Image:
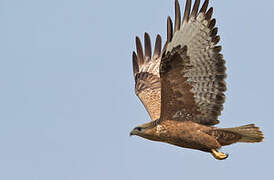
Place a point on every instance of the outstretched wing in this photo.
(192, 68)
(147, 77)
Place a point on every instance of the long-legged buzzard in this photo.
(182, 85)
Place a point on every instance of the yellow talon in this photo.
(218, 155)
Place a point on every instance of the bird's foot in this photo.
(218, 155)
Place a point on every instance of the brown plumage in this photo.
(182, 86)
(147, 77)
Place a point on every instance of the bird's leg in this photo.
(218, 155)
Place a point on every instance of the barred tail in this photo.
(248, 133)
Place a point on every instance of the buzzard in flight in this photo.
(182, 85)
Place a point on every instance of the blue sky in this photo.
(67, 91)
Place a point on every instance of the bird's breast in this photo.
(162, 131)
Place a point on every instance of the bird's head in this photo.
(147, 130)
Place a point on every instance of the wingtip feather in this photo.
(169, 29)
(195, 8)
(139, 48)
(147, 46)
(177, 16)
(187, 11)
(135, 63)
(157, 47)
(204, 7)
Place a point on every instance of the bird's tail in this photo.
(247, 133)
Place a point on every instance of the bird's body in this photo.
(189, 135)
(182, 85)
(184, 134)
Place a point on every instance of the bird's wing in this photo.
(146, 74)
(192, 69)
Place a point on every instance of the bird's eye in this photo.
(138, 128)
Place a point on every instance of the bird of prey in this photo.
(182, 85)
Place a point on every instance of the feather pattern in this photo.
(193, 48)
(182, 86)
(146, 74)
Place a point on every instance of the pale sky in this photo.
(67, 91)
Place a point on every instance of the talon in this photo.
(218, 155)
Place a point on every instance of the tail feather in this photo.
(248, 133)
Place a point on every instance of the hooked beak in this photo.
(133, 132)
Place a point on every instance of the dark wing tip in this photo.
(169, 29)
(214, 32)
(177, 16)
(217, 49)
(137, 38)
(216, 39)
(187, 11)
(158, 47)
(204, 7)
(139, 48)
(195, 8)
(212, 24)
(158, 37)
(147, 46)
(209, 13)
(135, 63)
